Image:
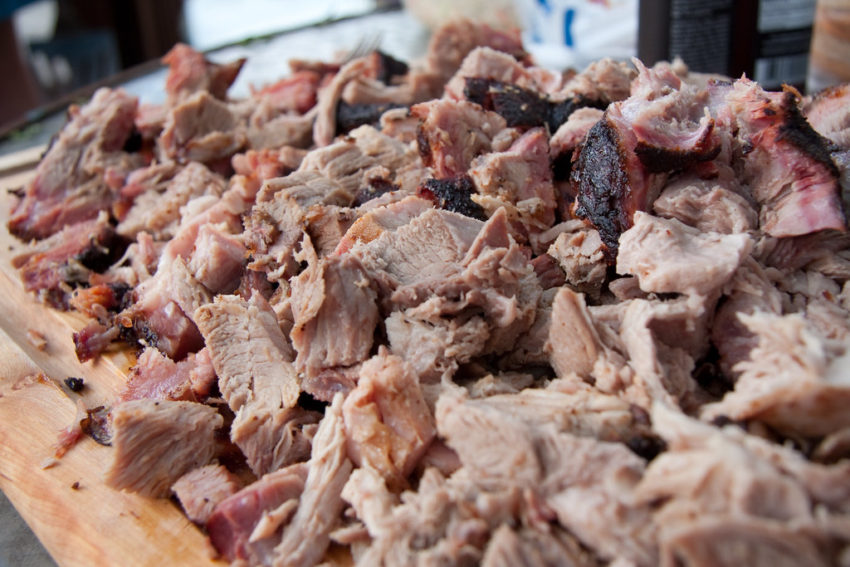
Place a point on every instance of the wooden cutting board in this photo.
(78, 519)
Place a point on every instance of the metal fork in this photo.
(364, 46)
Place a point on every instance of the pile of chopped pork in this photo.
(466, 310)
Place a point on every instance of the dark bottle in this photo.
(768, 40)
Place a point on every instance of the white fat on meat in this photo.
(669, 257)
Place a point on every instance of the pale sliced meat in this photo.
(155, 442)
(792, 380)
(307, 536)
(521, 177)
(669, 257)
(387, 421)
(235, 331)
(201, 490)
(334, 314)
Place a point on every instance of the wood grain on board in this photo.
(78, 519)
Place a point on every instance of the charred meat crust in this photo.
(388, 67)
(524, 108)
(454, 194)
(797, 131)
(657, 159)
(600, 181)
(350, 116)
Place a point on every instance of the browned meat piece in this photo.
(327, 225)
(387, 422)
(709, 542)
(272, 438)
(445, 521)
(190, 72)
(201, 128)
(488, 67)
(325, 126)
(155, 442)
(307, 536)
(750, 290)
(247, 525)
(70, 183)
(495, 281)
(268, 128)
(296, 93)
(453, 133)
(261, 165)
(521, 178)
(94, 339)
(399, 124)
(154, 177)
(527, 547)
(625, 156)
(604, 80)
(574, 343)
(262, 390)
(382, 218)
(275, 226)
(451, 43)
(571, 473)
(335, 314)
(157, 377)
(428, 246)
(580, 253)
(787, 164)
(68, 259)
(157, 210)
(235, 330)
(163, 310)
(828, 113)
(201, 490)
(711, 479)
(218, 259)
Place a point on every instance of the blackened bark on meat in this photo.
(601, 183)
(559, 112)
(523, 108)
(454, 194)
(96, 425)
(68, 259)
(388, 67)
(102, 254)
(374, 188)
(350, 116)
(519, 107)
(659, 159)
(797, 131)
(646, 445)
(424, 146)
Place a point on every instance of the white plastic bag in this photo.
(571, 33)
